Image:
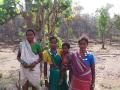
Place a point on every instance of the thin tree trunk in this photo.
(103, 41)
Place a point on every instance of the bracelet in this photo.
(45, 78)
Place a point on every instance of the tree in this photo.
(102, 23)
(8, 10)
(46, 14)
(42, 15)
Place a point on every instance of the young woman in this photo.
(83, 67)
(29, 55)
(52, 57)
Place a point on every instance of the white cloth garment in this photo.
(33, 76)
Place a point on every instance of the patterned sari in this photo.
(81, 74)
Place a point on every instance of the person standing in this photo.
(83, 67)
(30, 55)
(52, 58)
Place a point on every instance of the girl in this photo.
(53, 59)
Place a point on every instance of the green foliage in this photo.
(1, 2)
(102, 20)
(8, 10)
(45, 15)
(21, 34)
(52, 12)
(65, 7)
(59, 44)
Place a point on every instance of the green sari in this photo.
(36, 48)
(64, 85)
(54, 71)
(54, 78)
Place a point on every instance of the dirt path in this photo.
(107, 65)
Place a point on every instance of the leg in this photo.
(25, 86)
(33, 88)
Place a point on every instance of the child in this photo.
(65, 51)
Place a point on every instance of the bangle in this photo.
(46, 78)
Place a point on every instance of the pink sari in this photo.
(81, 74)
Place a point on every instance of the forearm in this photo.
(19, 55)
(45, 70)
(40, 57)
(18, 58)
(93, 78)
(93, 75)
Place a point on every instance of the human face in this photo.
(53, 44)
(65, 49)
(83, 45)
(30, 36)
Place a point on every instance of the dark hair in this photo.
(52, 37)
(83, 39)
(30, 30)
(66, 44)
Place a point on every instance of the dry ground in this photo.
(107, 66)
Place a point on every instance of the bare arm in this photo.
(45, 74)
(18, 55)
(93, 75)
(45, 70)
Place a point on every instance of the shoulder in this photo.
(45, 52)
(59, 51)
(90, 54)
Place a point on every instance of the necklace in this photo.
(83, 57)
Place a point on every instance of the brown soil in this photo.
(107, 65)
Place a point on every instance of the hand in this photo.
(92, 87)
(46, 83)
(33, 64)
(69, 82)
(26, 66)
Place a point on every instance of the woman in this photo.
(53, 58)
(29, 55)
(83, 68)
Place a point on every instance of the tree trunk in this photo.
(103, 41)
(27, 15)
